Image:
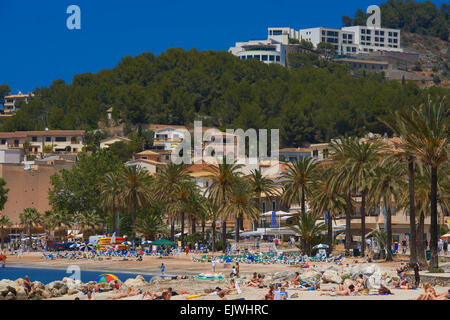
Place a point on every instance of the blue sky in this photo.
(37, 47)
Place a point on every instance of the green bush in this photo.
(345, 276)
(438, 270)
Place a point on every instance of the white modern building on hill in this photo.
(347, 41)
(271, 50)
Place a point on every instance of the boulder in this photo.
(72, 292)
(331, 276)
(19, 282)
(55, 293)
(38, 291)
(154, 280)
(141, 278)
(56, 285)
(21, 294)
(5, 283)
(63, 290)
(311, 276)
(283, 276)
(74, 284)
(46, 294)
(135, 283)
(38, 285)
(332, 267)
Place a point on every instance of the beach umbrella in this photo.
(321, 246)
(73, 246)
(127, 243)
(146, 242)
(106, 278)
(86, 247)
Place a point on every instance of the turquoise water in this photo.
(48, 275)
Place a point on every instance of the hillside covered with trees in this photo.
(308, 104)
(410, 16)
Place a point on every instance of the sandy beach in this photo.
(183, 265)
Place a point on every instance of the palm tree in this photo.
(297, 182)
(4, 222)
(150, 222)
(136, 191)
(424, 136)
(262, 186)
(110, 192)
(222, 181)
(386, 186)
(30, 218)
(212, 212)
(309, 229)
(167, 186)
(240, 205)
(58, 221)
(89, 222)
(359, 159)
(185, 202)
(325, 199)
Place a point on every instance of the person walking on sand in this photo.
(213, 265)
(163, 268)
(187, 250)
(3, 259)
(417, 275)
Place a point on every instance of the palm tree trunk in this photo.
(172, 230)
(434, 261)
(213, 225)
(348, 231)
(224, 233)
(412, 215)
(114, 222)
(133, 222)
(388, 232)
(203, 232)
(256, 222)
(421, 259)
(182, 228)
(363, 224)
(118, 223)
(29, 235)
(3, 240)
(330, 234)
(236, 231)
(193, 226)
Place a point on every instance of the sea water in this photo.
(48, 275)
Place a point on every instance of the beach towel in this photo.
(194, 296)
(239, 291)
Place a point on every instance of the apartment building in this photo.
(167, 137)
(35, 141)
(343, 41)
(370, 39)
(10, 104)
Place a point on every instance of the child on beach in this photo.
(233, 272)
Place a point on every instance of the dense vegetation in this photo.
(410, 16)
(308, 104)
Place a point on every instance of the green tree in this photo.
(136, 191)
(222, 182)
(111, 189)
(30, 218)
(5, 222)
(309, 229)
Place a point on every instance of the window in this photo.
(368, 32)
(325, 153)
(350, 36)
(271, 58)
(395, 34)
(278, 58)
(377, 39)
(277, 32)
(315, 153)
(60, 139)
(368, 38)
(363, 38)
(257, 57)
(264, 206)
(249, 57)
(381, 33)
(16, 143)
(363, 31)
(33, 139)
(3, 141)
(264, 58)
(354, 49)
(48, 139)
(274, 205)
(390, 34)
(377, 33)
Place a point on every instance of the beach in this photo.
(184, 266)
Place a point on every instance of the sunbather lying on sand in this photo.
(403, 284)
(253, 281)
(341, 291)
(430, 294)
(129, 293)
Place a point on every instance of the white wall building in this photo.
(10, 101)
(268, 51)
(370, 39)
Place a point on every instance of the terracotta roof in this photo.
(148, 152)
(19, 95)
(148, 161)
(198, 169)
(24, 134)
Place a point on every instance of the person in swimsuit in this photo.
(28, 286)
(129, 293)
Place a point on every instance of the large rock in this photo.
(4, 286)
(38, 285)
(73, 284)
(154, 280)
(19, 282)
(55, 293)
(331, 276)
(311, 276)
(135, 283)
(21, 294)
(283, 276)
(365, 270)
(56, 285)
(72, 292)
(46, 294)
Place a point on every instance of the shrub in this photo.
(438, 270)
